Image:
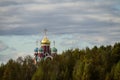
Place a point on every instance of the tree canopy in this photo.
(98, 63)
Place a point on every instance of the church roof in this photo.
(45, 40)
(54, 49)
(36, 50)
(41, 49)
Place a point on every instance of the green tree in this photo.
(116, 53)
(12, 71)
(28, 68)
(117, 72)
(2, 69)
(78, 70)
(39, 74)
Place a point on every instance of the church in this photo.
(44, 51)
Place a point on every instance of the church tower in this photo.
(45, 44)
(44, 51)
(54, 50)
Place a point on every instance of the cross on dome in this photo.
(54, 43)
(45, 31)
(45, 40)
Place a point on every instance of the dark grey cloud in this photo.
(82, 17)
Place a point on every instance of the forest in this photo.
(97, 63)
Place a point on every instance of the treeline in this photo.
(101, 63)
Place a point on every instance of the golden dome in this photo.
(45, 40)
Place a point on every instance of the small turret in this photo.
(54, 50)
(41, 50)
(36, 50)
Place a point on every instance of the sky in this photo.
(70, 23)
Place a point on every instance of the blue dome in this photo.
(36, 50)
(54, 49)
(41, 49)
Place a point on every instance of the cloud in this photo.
(11, 47)
(26, 17)
(3, 46)
(72, 22)
(63, 14)
(14, 55)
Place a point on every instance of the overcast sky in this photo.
(71, 23)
